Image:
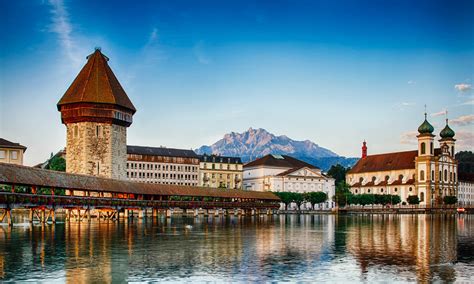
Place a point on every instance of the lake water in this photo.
(328, 248)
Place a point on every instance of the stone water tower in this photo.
(96, 111)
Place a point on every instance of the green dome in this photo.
(447, 132)
(426, 127)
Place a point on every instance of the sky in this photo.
(333, 72)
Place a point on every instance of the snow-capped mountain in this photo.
(255, 143)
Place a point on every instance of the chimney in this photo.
(364, 150)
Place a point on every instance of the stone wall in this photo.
(97, 149)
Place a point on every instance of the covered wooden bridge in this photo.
(44, 191)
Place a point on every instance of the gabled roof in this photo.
(161, 151)
(290, 171)
(96, 83)
(279, 161)
(8, 144)
(385, 162)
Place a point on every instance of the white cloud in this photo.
(440, 113)
(409, 138)
(411, 82)
(61, 25)
(463, 120)
(469, 103)
(463, 87)
(465, 140)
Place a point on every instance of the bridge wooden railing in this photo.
(12, 200)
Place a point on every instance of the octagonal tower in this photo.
(96, 111)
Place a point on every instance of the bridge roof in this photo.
(22, 175)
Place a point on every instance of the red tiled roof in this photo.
(385, 162)
(96, 83)
(279, 161)
(410, 181)
(370, 183)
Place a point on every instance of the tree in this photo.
(316, 197)
(343, 193)
(450, 200)
(298, 198)
(413, 200)
(57, 163)
(286, 198)
(338, 172)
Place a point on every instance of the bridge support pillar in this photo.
(206, 212)
(252, 212)
(216, 212)
(154, 212)
(125, 213)
(53, 216)
(141, 213)
(31, 215)
(43, 216)
(169, 212)
(196, 212)
(7, 213)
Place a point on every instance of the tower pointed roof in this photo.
(96, 83)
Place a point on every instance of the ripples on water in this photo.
(378, 248)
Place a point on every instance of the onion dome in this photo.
(447, 132)
(426, 127)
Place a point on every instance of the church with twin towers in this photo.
(430, 172)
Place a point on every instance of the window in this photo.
(410, 189)
(422, 175)
(76, 131)
(432, 175)
(423, 148)
(368, 190)
(14, 155)
(381, 190)
(2, 154)
(431, 148)
(422, 197)
(445, 175)
(396, 189)
(452, 151)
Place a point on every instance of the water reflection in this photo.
(286, 247)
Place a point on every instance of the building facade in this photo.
(281, 173)
(96, 111)
(429, 173)
(220, 172)
(466, 189)
(11, 153)
(162, 165)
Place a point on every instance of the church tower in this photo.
(424, 163)
(96, 111)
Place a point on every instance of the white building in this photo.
(281, 173)
(162, 165)
(466, 190)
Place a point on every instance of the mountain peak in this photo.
(255, 143)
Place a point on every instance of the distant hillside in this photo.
(255, 143)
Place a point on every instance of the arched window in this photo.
(400, 177)
(445, 175)
(373, 179)
(450, 176)
(431, 148)
(356, 191)
(432, 175)
(368, 190)
(422, 197)
(423, 148)
(76, 131)
(396, 189)
(381, 190)
(452, 151)
(422, 175)
(410, 189)
(361, 179)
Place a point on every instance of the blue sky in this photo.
(334, 72)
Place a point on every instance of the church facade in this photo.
(429, 172)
